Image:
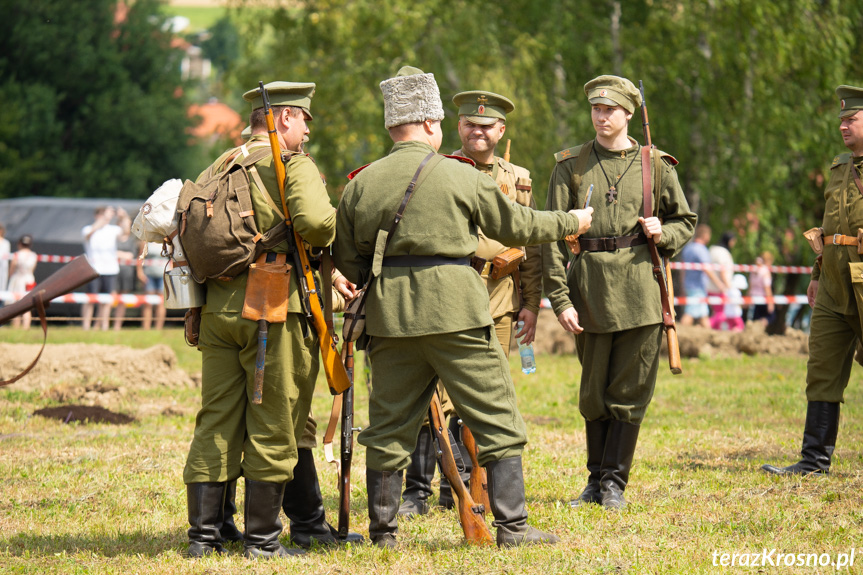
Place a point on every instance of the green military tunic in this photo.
(835, 324)
(614, 292)
(233, 436)
(434, 320)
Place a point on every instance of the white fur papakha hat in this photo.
(411, 96)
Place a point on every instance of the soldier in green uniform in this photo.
(609, 297)
(427, 310)
(835, 294)
(481, 125)
(234, 437)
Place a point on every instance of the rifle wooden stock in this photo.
(506, 153)
(666, 286)
(337, 377)
(346, 447)
(478, 477)
(469, 513)
(69, 277)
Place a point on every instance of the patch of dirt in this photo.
(694, 341)
(85, 414)
(100, 376)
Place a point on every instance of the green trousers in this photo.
(473, 368)
(618, 372)
(233, 436)
(832, 342)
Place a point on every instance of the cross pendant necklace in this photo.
(611, 195)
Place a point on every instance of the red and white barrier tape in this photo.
(742, 268)
(721, 300)
(128, 300)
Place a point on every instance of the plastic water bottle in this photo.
(528, 361)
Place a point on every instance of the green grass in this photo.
(110, 499)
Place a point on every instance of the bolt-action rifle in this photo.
(470, 514)
(337, 377)
(69, 277)
(661, 266)
(346, 447)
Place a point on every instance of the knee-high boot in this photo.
(418, 476)
(303, 504)
(205, 504)
(595, 432)
(616, 462)
(384, 488)
(819, 441)
(506, 496)
(229, 531)
(263, 502)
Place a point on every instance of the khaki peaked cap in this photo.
(613, 91)
(296, 94)
(483, 108)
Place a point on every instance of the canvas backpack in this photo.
(216, 221)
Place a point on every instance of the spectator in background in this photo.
(151, 267)
(21, 278)
(100, 244)
(695, 281)
(5, 253)
(761, 285)
(126, 252)
(720, 255)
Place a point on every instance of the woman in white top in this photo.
(21, 278)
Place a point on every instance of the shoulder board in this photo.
(841, 159)
(467, 161)
(567, 154)
(353, 174)
(669, 159)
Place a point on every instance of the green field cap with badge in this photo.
(297, 94)
(483, 108)
(850, 100)
(613, 91)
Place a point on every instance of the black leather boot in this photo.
(263, 502)
(446, 498)
(595, 432)
(506, 496)
(229, 531)
(819, 441)
(418, 476)
(616, 462)
(384, 488)
(205, 502)
(304, 506)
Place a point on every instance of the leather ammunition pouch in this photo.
(815, 237)
(355, 317)
(192, 326)
(506, 263)
(267, 289)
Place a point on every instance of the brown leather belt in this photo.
(840, 240)
(611, 243)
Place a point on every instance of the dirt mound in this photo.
(105, 377)
(694, 341)
(84, 413)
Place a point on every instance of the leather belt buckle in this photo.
(836, 240)
(609, 244)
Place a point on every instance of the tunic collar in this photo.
(604, 152)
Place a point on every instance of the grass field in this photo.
(110, 499)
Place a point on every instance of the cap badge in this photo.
(603, 93)
(480, 110)
(841, 104)
(482, 100)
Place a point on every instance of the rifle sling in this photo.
(647, 191)
(39, 304)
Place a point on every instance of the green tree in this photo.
(92, 100)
